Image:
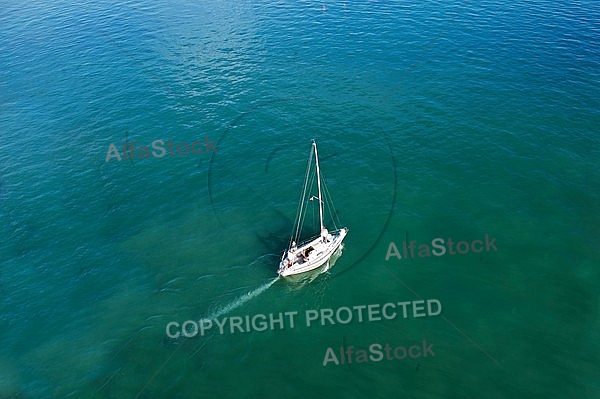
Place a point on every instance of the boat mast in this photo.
(319, 186)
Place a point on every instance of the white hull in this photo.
(312, 254)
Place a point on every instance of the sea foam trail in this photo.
(241, 300)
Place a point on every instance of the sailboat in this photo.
(317, 250)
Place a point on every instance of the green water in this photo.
(434, 120)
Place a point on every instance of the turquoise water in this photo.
(434, 120)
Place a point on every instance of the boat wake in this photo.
(220, 311)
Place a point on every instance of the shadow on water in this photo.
(272, 242)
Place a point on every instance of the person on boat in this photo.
(325, 235)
